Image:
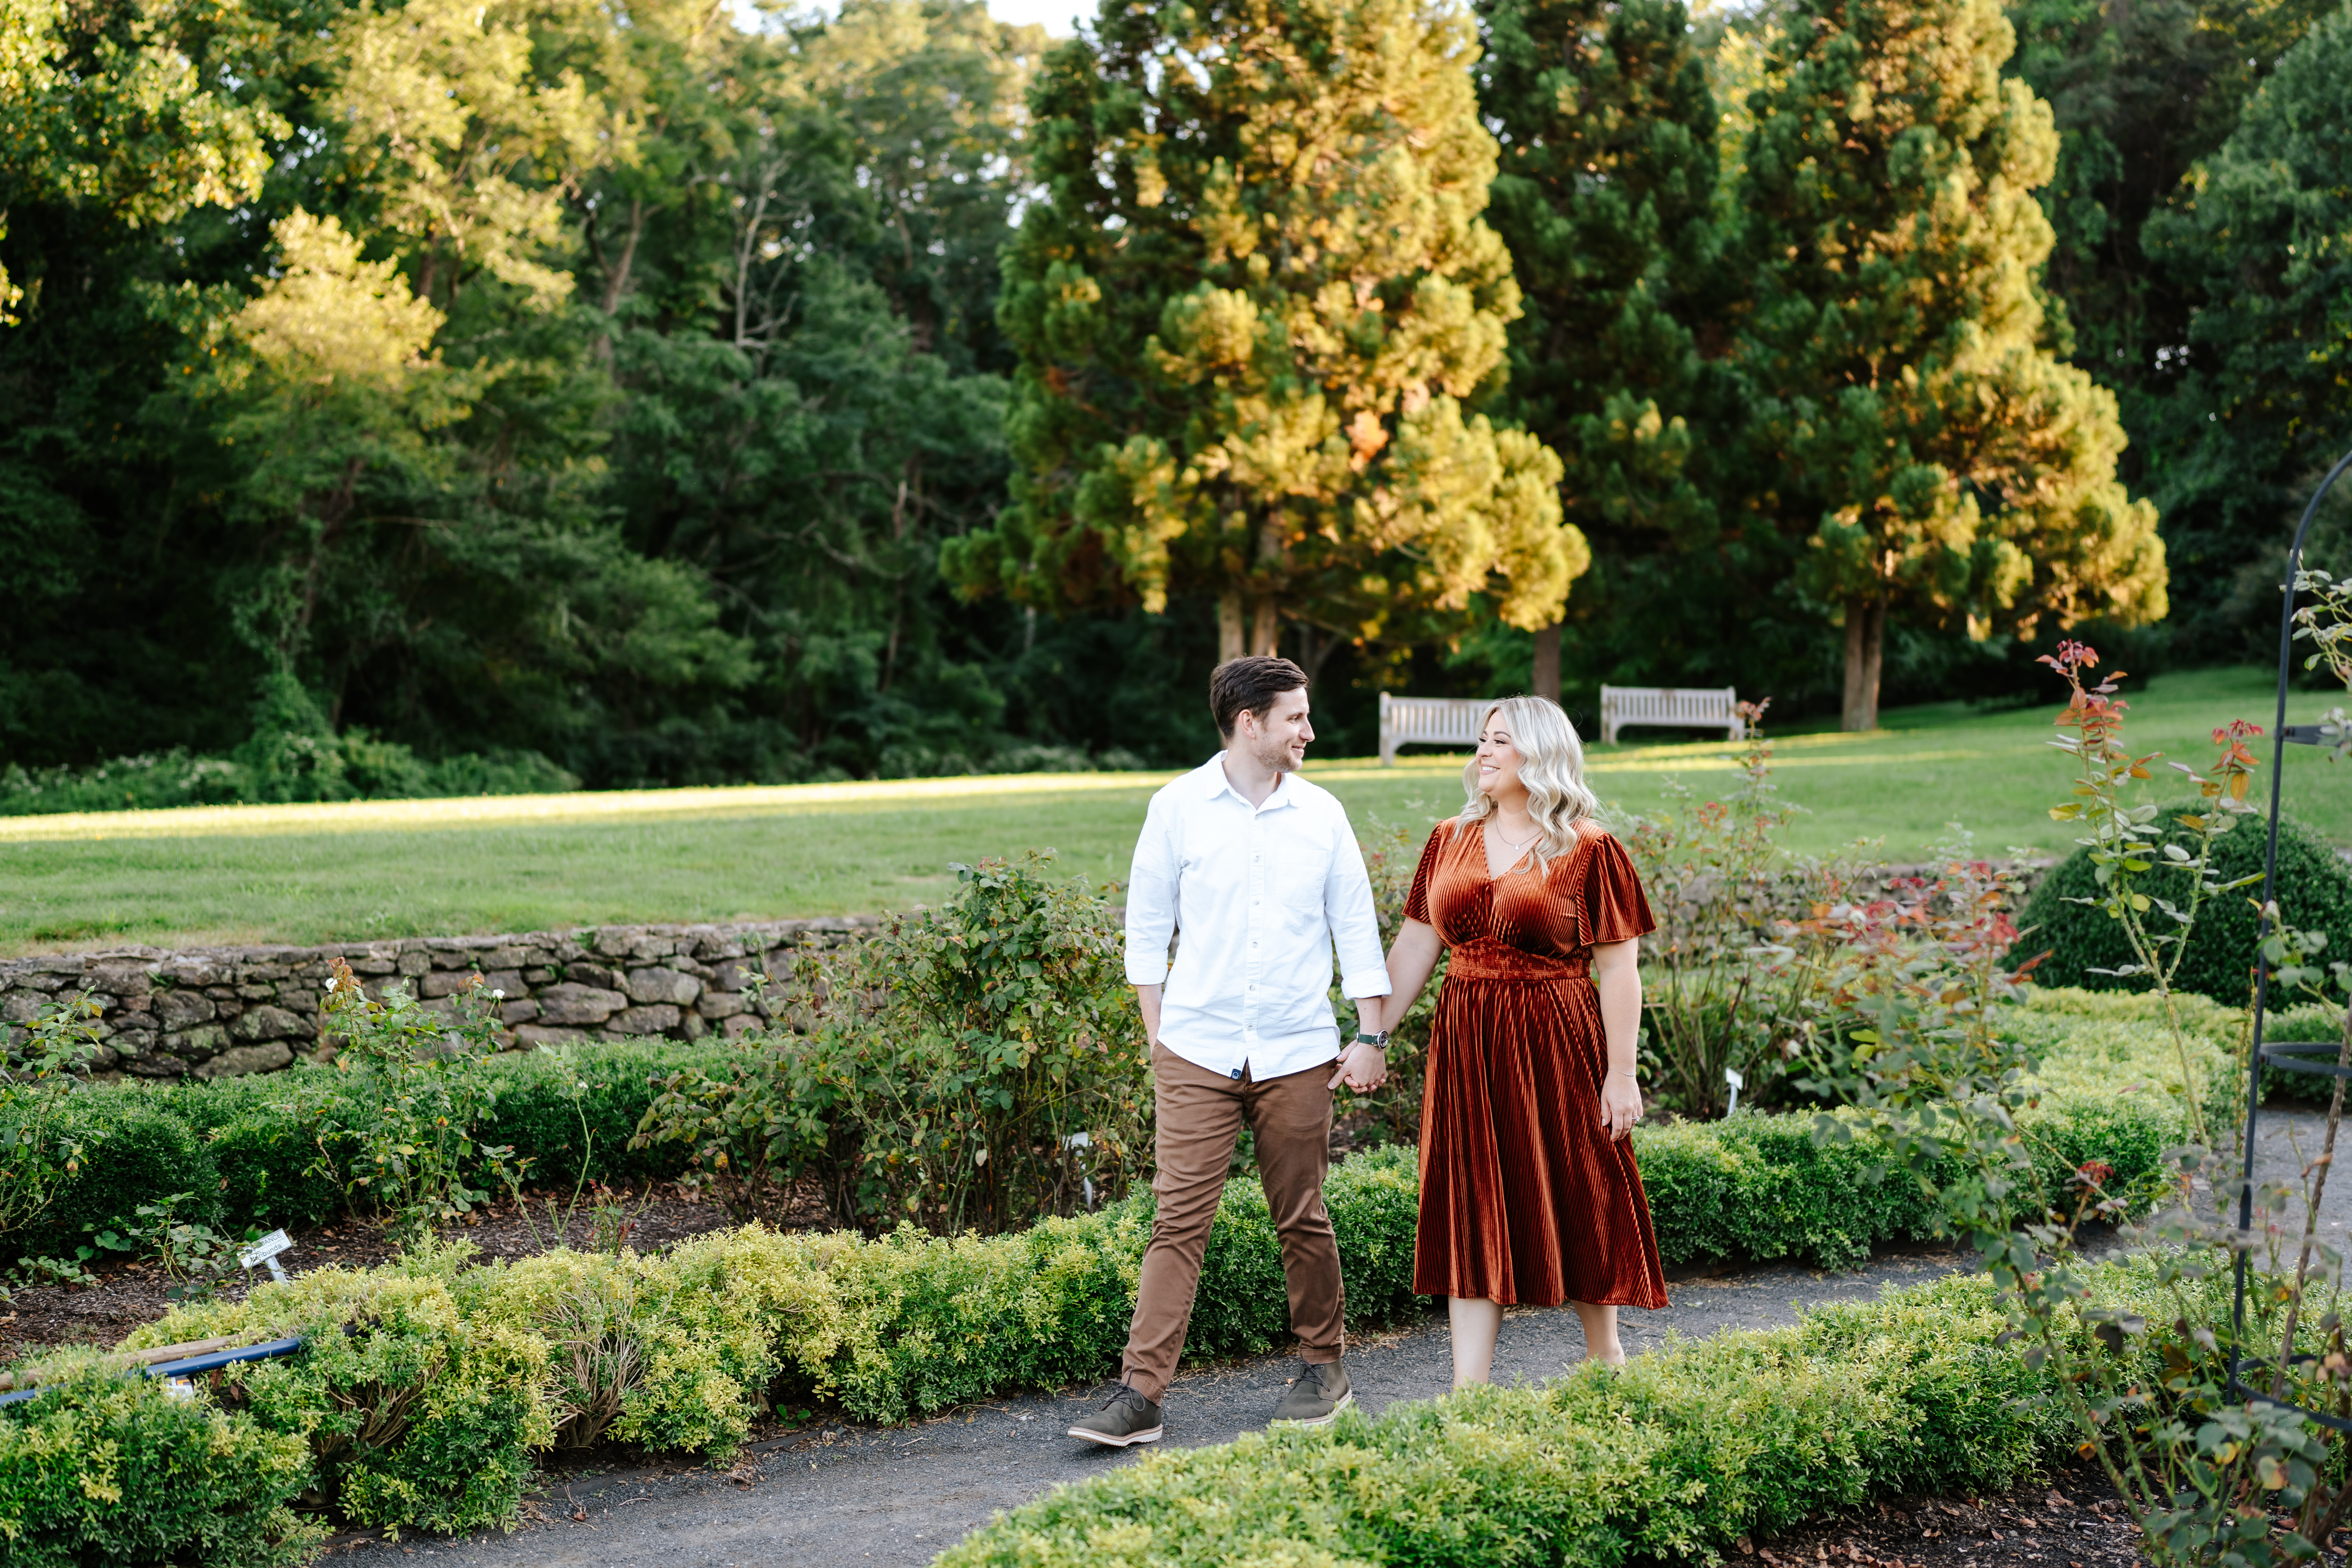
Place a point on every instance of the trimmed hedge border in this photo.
(1752, 1187)
(468, 1358)
(233, 1145)
(1672, 1458)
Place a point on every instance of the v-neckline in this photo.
(1487, 861)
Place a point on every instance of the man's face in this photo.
(1279, 741)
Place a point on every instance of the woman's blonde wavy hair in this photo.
(1551, 765)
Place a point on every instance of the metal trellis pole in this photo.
(2258, 1056)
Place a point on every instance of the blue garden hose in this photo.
(212, 1361)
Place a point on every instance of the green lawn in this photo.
(302, 874)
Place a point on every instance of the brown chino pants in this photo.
(1201, 1113)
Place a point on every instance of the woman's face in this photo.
(1499, 760)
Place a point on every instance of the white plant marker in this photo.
(266, 1250)
(1737, 1083)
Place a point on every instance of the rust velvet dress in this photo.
(1525, 1198)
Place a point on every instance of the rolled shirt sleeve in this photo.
(1355, 924)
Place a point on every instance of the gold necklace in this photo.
(1518, 843)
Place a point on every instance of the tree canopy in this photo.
(396, 392)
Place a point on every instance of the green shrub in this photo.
(968, 1068)
(2315, 889)
(426, 1413)
(1756, 1186)
(292, 753)
(1669, 1459)
(643, 1351)
(542, 1105)
(264, 1153)
(99, 1467)
(130, 1153)
(1759, 1188)
(250, 1147)
(412, 1415)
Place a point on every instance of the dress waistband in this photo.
(1490, 959)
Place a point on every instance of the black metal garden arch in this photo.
(2290, 1057)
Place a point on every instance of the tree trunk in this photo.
(1229, 625)
(616, 276)
(1546, 678)
(1265, 627)
(1866, 652)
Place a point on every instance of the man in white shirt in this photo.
(1261, 873)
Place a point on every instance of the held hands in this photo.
(1363, 1068)
(1620, 1103)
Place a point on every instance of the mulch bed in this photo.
(2073, 1522)
(130, 1294)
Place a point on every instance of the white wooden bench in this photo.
(1693, 707)
(1432, 720)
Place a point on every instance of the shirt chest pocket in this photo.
(1302, 866)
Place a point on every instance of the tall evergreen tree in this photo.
(1255, 309)
(1606, 197)
(2140, 93)
(1913, 424)
(2262, 238)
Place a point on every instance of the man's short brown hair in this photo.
(1250, 685)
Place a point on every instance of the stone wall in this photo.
(224, 1012)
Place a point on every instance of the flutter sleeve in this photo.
(1613, 905)
(1416, 903)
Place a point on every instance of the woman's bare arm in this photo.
(1617, 974)
(1410, 958)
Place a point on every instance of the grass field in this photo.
(303, 874)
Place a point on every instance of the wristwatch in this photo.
(1378, 1042)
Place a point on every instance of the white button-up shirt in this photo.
(1260, 894)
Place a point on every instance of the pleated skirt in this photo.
(1525, 1198)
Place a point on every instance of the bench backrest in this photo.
(1436, 721)
(1699, 705)
(1453, 720)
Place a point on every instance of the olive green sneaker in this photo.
(1317, 1396)
(1126, 1420)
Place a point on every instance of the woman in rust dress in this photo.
(1529, 1190)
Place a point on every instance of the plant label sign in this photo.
(266, 1250)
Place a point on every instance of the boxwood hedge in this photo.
(103, 1469)
(237, 1146)
(2314, 893)
(1671, 1459)
(430, 1382)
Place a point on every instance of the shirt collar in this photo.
(1285, 791)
